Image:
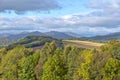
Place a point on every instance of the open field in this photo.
(83, 44)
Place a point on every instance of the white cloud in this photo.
(73, 23)
(105, 19)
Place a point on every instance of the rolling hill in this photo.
(54, 34)
(6, 39)
(35, 42)
(23, 35)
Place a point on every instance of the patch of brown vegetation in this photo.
(83, 44)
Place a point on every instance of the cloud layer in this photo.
(73, 23)
(105, 7)
(104, 19)
(20, 6)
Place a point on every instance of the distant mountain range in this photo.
(104, 38)
(54, 34)
(61, 35)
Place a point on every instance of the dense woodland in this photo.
(55, 63)
(35, 41)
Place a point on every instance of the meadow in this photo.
(83, 44)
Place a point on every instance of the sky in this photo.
(84, 17)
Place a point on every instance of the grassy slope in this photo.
(83, 44)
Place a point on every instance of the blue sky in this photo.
(85, 17)
(67, 7)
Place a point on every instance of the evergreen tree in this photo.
(9, 64)
(55, 68)
(46, 52)
(26, 71)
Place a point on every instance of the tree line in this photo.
(68, 63)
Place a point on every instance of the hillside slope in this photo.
(36, 41)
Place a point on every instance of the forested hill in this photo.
(53, 63)
(6, 39)
(36, 42)
(54, 34)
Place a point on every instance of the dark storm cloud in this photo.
(21, 6)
